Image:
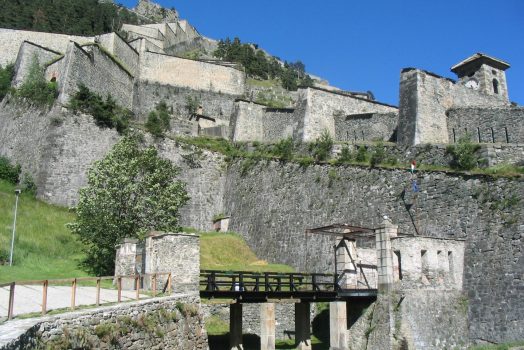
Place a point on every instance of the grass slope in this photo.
(44, 246)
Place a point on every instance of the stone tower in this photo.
(484, 74)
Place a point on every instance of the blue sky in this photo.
(363, 45)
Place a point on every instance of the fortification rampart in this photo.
(196, 75)
(11, 40)
(122, 326)
(424, 100)
(91, 66)
(281, 201)
(255, 122)
(215, 105)
(366, 127)
(487, 125)
(26, 56)
(119, 48)
(323, 106)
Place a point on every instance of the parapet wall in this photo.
(424, 100)
(155, 324)
(323, 106)
(487, 125)
(11, 40)
(28, 52)
(196, 75)
(91, 66)
(255, 122)
(118, 47)
(366, 127)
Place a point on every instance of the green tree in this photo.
(158, 120)
(463, 153)
(35, 88)
(129, 192)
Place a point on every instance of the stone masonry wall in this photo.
(280, 201)
(90, 66)
(255, 122)
(214, 104)
(173, 322)
(118, 47)
(197, 75)
(11, 40)
(424, 100)
(502, 124)
(57, 148)
(28, 52)
(366, 127)
(323, 106)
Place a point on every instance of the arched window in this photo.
(495, 86)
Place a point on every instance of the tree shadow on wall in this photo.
(320, 326)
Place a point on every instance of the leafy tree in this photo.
(129, 192)
(8, 171)
(35, 88)
(322, 146)
(6, 76)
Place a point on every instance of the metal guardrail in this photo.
(74, 284)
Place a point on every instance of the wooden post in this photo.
(169, 283)
(98, 292)
(73, 294)
(11, 301)
(44, 297)
(153, 280)
(137, 285)
(119, 288)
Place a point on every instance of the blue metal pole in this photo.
(14, 229)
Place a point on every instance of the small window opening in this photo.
(451, 266)
(53, 79)
(495, 86)
(399, 264)
(424, 263)
(494, 72)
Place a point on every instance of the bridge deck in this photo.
(258, 287)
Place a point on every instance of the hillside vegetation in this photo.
(77, 17)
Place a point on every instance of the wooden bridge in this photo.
(256, 287)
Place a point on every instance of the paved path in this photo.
(29, 298)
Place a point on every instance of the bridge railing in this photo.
(245, 281)
(75, 283)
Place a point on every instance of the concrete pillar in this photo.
(303, 326)
(235, 327)
(347, 263)
(267, 326)
(338, 333)
(384, 255)
(125, 262)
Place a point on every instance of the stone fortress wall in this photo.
(29, 52)
(424, 100)
(118, 47)
(487, 125)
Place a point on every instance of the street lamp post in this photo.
(17, 192)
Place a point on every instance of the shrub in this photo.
(284, 149)
(463, 154)
(6, 76)
(192, 104)
(322, 147)
(158, 120)
(35, 88)
(362, 154)
(378, 156)
(105, 112)
(9, 172)
(345, 155)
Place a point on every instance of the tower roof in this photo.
(478, 59)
